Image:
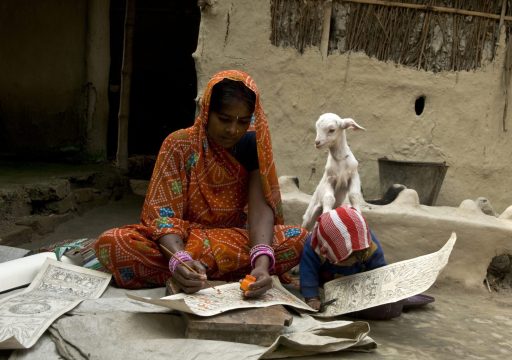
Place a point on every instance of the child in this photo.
(340, 244)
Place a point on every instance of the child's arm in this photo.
(309, 271)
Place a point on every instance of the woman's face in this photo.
(228, 125)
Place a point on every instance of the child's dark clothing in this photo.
(314, 271)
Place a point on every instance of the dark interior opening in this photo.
(164, 87)
(419, 105)
(499, 273)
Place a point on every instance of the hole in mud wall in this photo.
(164, 83)
(499, 273)
(419, 105)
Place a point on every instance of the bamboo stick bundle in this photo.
(434, 35)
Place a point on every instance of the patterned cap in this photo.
(339, 232)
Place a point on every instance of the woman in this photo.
(213, 201)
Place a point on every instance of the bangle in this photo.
(178, 258)
(263, 249)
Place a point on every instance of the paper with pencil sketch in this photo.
(56, 289)
(208, 302)
(386, 284)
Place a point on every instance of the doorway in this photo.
(164, 82)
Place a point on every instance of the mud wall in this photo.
(461, 123)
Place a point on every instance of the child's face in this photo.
(355, 257)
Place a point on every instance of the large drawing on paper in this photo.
(57, 288)
(208, 302)
(352, 293)
(387, 284)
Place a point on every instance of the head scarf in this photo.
(339, 232)
(259, 124)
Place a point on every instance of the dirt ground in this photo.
(94, 222)
(461, 324)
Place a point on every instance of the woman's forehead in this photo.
(235, 117)
(236, 108)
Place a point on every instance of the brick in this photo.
(62, 206)
(42, 224)
(83, 195)
(260, 326)
(52, 190)
(139, 187)
(14, 202)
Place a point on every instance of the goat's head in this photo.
(329, 126)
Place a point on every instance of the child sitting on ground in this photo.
(340, 244)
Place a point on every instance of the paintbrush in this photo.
(170, 253)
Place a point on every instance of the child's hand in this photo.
(314, 303)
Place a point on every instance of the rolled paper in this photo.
(22, 271)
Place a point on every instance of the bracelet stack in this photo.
(178, 258)
(263, 249)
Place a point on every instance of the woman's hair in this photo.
(227, 90)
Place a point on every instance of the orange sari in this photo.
(199, 191)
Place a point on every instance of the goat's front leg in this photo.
(309, 218)
(313, 211)
(354, 193)
(328, 200)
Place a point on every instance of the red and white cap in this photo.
(339, 232)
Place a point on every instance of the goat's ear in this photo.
(349, 123)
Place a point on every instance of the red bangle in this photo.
(177, 259)
(263, 249)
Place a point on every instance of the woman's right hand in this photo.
(189, 281)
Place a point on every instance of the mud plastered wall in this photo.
(461, 123)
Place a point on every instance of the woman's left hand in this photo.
(262, 284)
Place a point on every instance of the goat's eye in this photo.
(331, 131)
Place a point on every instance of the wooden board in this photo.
(260, 326)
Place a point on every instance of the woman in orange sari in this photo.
(213, 201)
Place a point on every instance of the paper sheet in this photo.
(208, 302)
(22, 271)
(57, 288)
(386, 284)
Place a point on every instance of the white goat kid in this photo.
(340, 176)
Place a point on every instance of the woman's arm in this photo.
(165, 204)
(188, 281)
(166, 199)
(261, 231)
